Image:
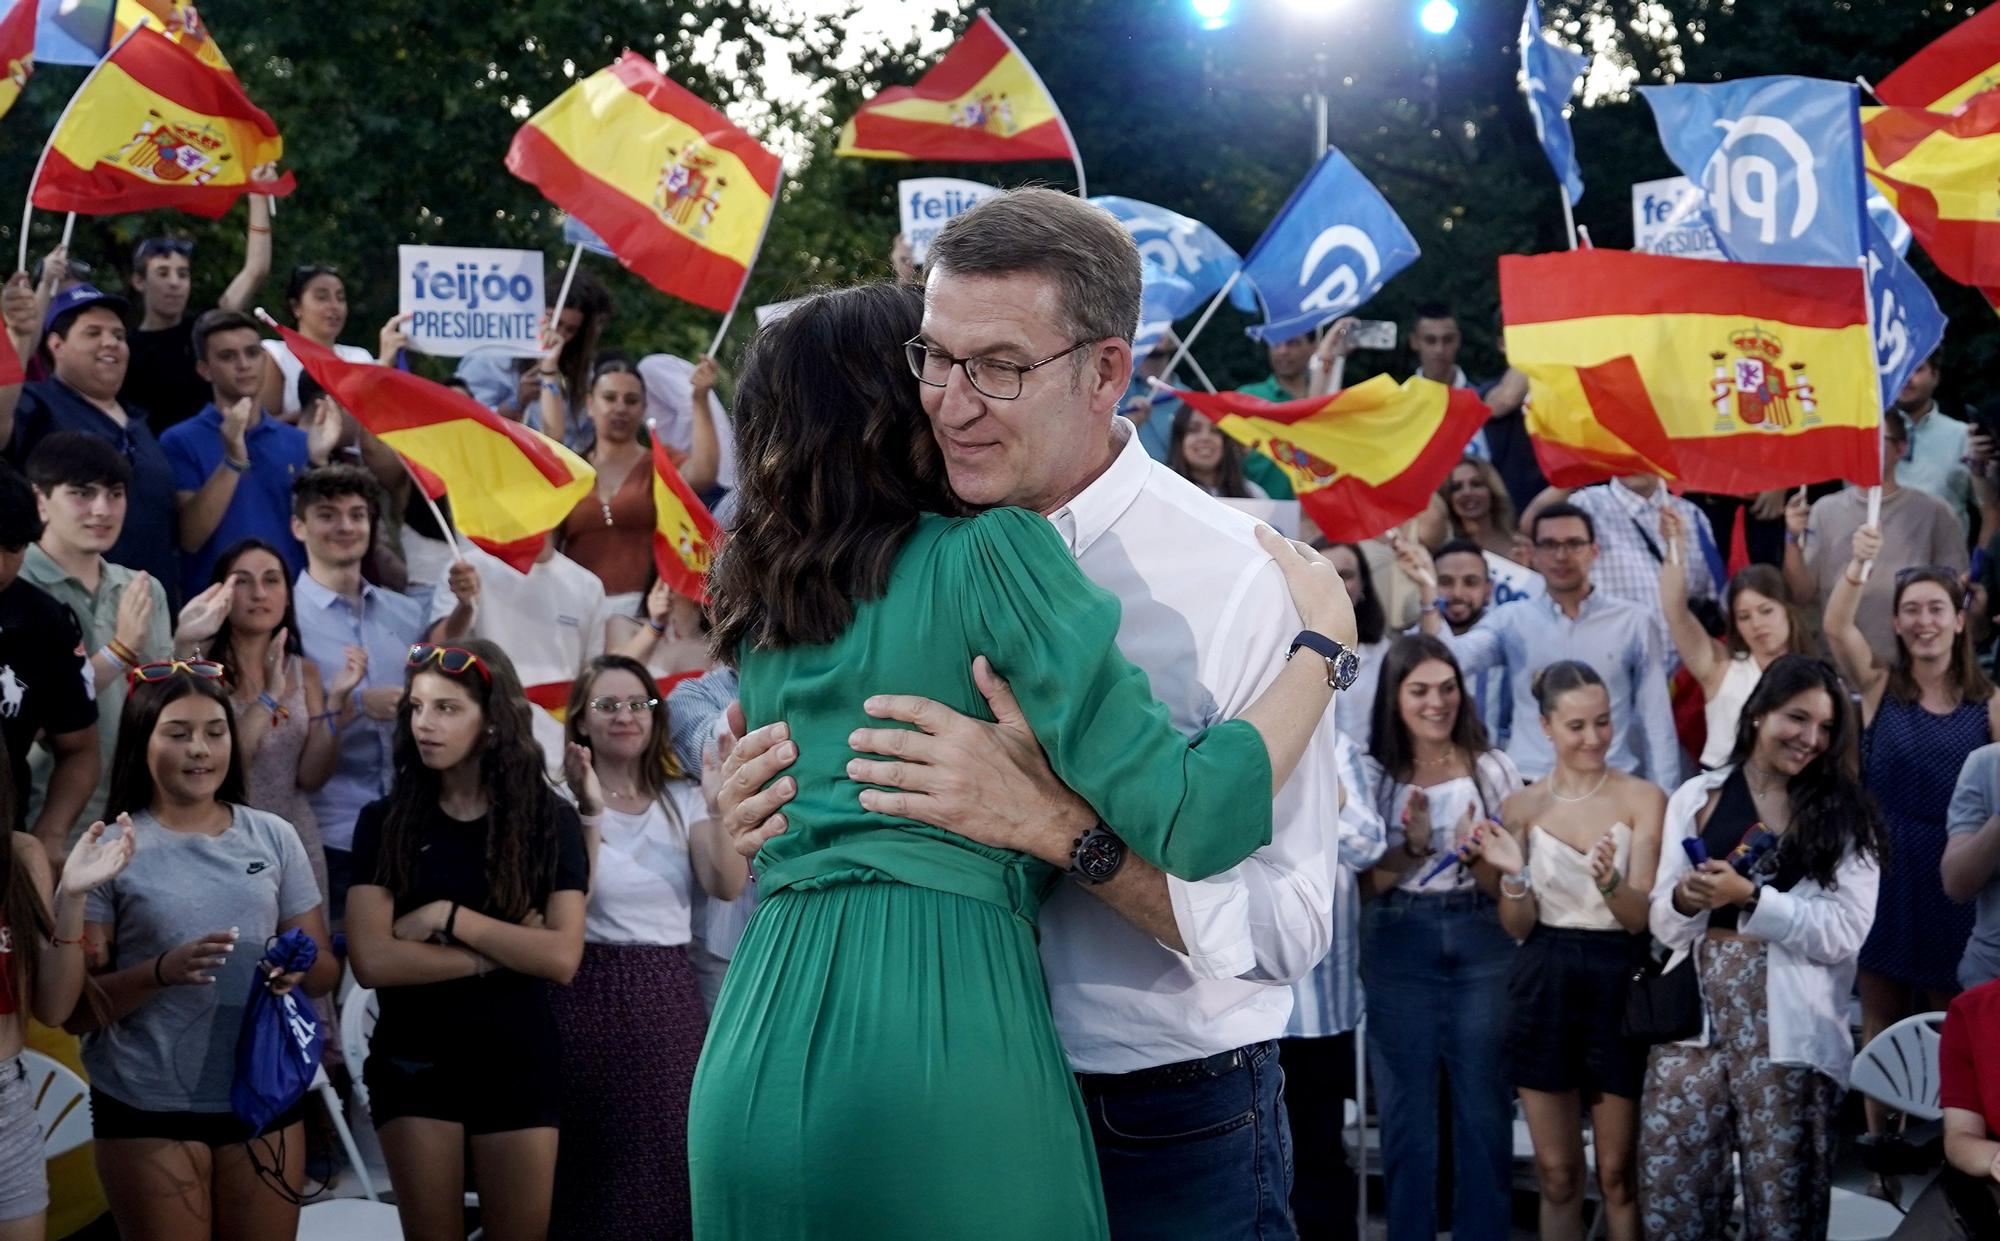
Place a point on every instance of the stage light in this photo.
(1213, 13)
(1438, 16)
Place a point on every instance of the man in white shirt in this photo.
(1170, 996)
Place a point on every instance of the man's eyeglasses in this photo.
(166, 669)
(605, 704)
(451, 660)
(993, 378)
(1566, 547)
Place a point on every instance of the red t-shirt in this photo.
(1969, 1057)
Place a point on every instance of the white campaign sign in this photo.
(927, 204)
(1666, 219)
(463, 300)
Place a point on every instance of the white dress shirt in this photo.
(1208, 617)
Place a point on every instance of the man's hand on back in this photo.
(751, 817)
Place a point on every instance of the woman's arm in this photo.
(551, 402)
(1630, 901)
(1966, 1146)
(705, 447)
(324, 973)
(1703, 655)
(382, 960)
(125, 991)
(317, 758)
(552, 950)
(1519, 910)
(1860, 664)
(271, 391)
(1824, 926)
(59, 962)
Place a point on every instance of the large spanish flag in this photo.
(17, 51)
(1954, 67)
(1941, 171)
(153, 126)
(1727, 377)
(982, 103)
(178, 20)
(1365, 459)
(685, 534)
(679, 193)
(509, 485)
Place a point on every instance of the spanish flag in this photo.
(17, 51)
(685, 535)
(177, 20)
(982, 103)
(153, 126)
(680, 194)
(1727, 377)
(1941, 171)
(1954, 67)
(509, 485)
(1365, 459)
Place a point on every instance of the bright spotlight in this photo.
(1438, 16)
(1211, 12)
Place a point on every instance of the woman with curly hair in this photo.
(468, 901)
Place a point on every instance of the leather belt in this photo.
(1207, 1069)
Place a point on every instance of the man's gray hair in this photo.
(1082, 249)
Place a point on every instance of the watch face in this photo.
(1099, 857)
(1346, 667)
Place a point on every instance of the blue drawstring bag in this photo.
(278, 1048)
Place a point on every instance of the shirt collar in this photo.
(1098, 507)
(309, 589)
(1635, 502)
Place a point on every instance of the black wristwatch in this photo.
(1342, 664)
(1096, 855)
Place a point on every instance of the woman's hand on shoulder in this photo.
(1317, 591)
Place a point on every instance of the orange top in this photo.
(615, 540)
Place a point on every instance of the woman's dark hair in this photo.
(658, 765)
(1831, 811)
(615, 364)
(1762, 579)
(20, 518)
(1963, 671)
(303, 275)
(579, 353)
(1389, 741)
(1229, 480)
(521, 805)
(131, 779)
(21, 907)
(1370, 623)
(222, 648)
(1500, 505)
(1559, 678)
(836, 462)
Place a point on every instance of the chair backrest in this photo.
(358, 1012)
(62, 1103)
(1899, 1066)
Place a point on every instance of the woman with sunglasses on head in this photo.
(1472, 503)
(175, 944)
(468, 901)
(316, 298)
(1925, 706)
(1772, 919)
(632, 1021)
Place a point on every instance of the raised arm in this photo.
(1800, 581)
(241, 294)
(1697, 650)
(705, 450)
(1858, 662)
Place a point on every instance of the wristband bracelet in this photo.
(157, 976)
(123, 652)
(109, 653)
(656, 626)
(1612, 885)
(233, 465)
(259, 228)
(59, 942)
(269, 703)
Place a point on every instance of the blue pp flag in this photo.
(1779, 159)
(1163, 297)
(1884, 217)
(576, 232)
(73, 32)
(1549, 74)
(1908, 325)
(1184, 248)
(1335, 243)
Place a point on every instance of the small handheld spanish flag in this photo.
(1938, 170)
(686, 535)
(17, 51)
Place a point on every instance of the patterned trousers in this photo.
(1705, 1105)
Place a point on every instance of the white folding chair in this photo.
(62, 1103)
(1899, 1068)
(337, 1112)
(349, 1219)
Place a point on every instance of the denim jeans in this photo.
(1435, 968)
(1209, 1159)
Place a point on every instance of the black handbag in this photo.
(1662, 1005)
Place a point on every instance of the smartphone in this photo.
(1373, 334)
(1697, 852)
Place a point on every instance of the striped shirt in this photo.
(1328, 1000)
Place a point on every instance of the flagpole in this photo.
(28, 208)
(69, 226)
(1198, 373)
(1075, 152)
(1214, 304)
(1874, 368)
(569, 277)
(1569, 216)
(777, 188)
(1868, 86)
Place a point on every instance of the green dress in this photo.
(882, 1063)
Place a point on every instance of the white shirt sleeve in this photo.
(1268, 919)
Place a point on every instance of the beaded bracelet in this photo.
(123, 652)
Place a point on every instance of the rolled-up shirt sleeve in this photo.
(1269, 918)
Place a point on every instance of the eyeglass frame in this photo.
(632, 706)
(1563, 547)
(911, 354)
(197, 668)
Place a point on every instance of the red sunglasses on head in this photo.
(206, 669)
(451, 660)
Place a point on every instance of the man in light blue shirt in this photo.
(1939, 445)
(340, 616)
(1575, 621)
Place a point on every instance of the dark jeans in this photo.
(1319, 1078)
(1436, 972)
(1209, 1158)
(339, 878)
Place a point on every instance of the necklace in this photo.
(1749, 774)
(1439, 761)
(1602, 777)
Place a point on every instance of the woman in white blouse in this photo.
(632, 1021)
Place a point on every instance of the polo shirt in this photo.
(45, 681)
(161, 378)
(1935, 461)
(262, 505)
(97, 617)
(147, 541)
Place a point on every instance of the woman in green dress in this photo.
(882, 1062)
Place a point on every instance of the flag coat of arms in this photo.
(982, 103)
(1727, 377)
(157, 127)
(685, 535)
(17, 51)
(677, 191)
(1954, 68)
(1362, 460)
